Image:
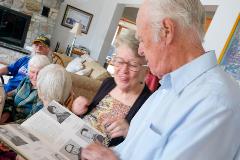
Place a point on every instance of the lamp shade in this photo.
(77, 29)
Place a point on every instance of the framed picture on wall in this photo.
(73, 15)
(230, 55)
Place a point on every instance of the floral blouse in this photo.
(108, 109)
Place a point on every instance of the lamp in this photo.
(77, 31)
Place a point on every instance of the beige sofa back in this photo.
(85, 86)
(98, 71)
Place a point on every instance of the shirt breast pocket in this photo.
(155, 129)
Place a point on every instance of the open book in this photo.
(53, 133)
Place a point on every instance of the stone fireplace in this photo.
(39, 24)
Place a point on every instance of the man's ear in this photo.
(168, 26)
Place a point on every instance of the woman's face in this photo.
(128, 70)
(33, 72)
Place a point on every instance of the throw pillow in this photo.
(84, 72)
(75, 65)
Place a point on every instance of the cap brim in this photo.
(35, 41)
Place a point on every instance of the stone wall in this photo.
(39, 24)
(8, 56)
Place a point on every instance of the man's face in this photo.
(40, 48)
(154, 51)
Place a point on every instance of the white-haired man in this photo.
(195, 113)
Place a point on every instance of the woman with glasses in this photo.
(119, 98)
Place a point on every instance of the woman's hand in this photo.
(97, 152)
(117, 128)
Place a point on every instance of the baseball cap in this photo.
(42, 39)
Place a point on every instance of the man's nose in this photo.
(140, 51)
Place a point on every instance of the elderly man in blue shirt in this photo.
(195, 114)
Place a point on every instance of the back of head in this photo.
(38, 61)
(54, 83)
(189, 14)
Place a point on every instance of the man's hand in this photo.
(97, 152)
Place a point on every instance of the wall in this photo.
(106, 16)
(61, 34)
(221, 25)
(108, 12)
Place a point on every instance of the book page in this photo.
(26, 144)
(62, 129)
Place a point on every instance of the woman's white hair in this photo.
(54, 83)
(38, 61)
(189, 14)
(129, 39)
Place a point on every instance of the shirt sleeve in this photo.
(210, 131)
(14, 67)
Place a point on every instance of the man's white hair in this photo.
(189, 14)
(38, 61)
(54, 83)
(49, 54)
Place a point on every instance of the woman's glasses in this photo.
(133, 66)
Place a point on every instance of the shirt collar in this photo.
(184, 75)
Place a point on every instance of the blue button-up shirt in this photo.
(194, 115)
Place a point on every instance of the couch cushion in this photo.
(75, 65)
(85, 86)
(84, 72)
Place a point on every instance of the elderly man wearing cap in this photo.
(19, 69)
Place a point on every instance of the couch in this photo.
(98, 72)
(85, 86)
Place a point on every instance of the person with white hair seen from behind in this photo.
(25, 97)
(195, 114)
(55, 83)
